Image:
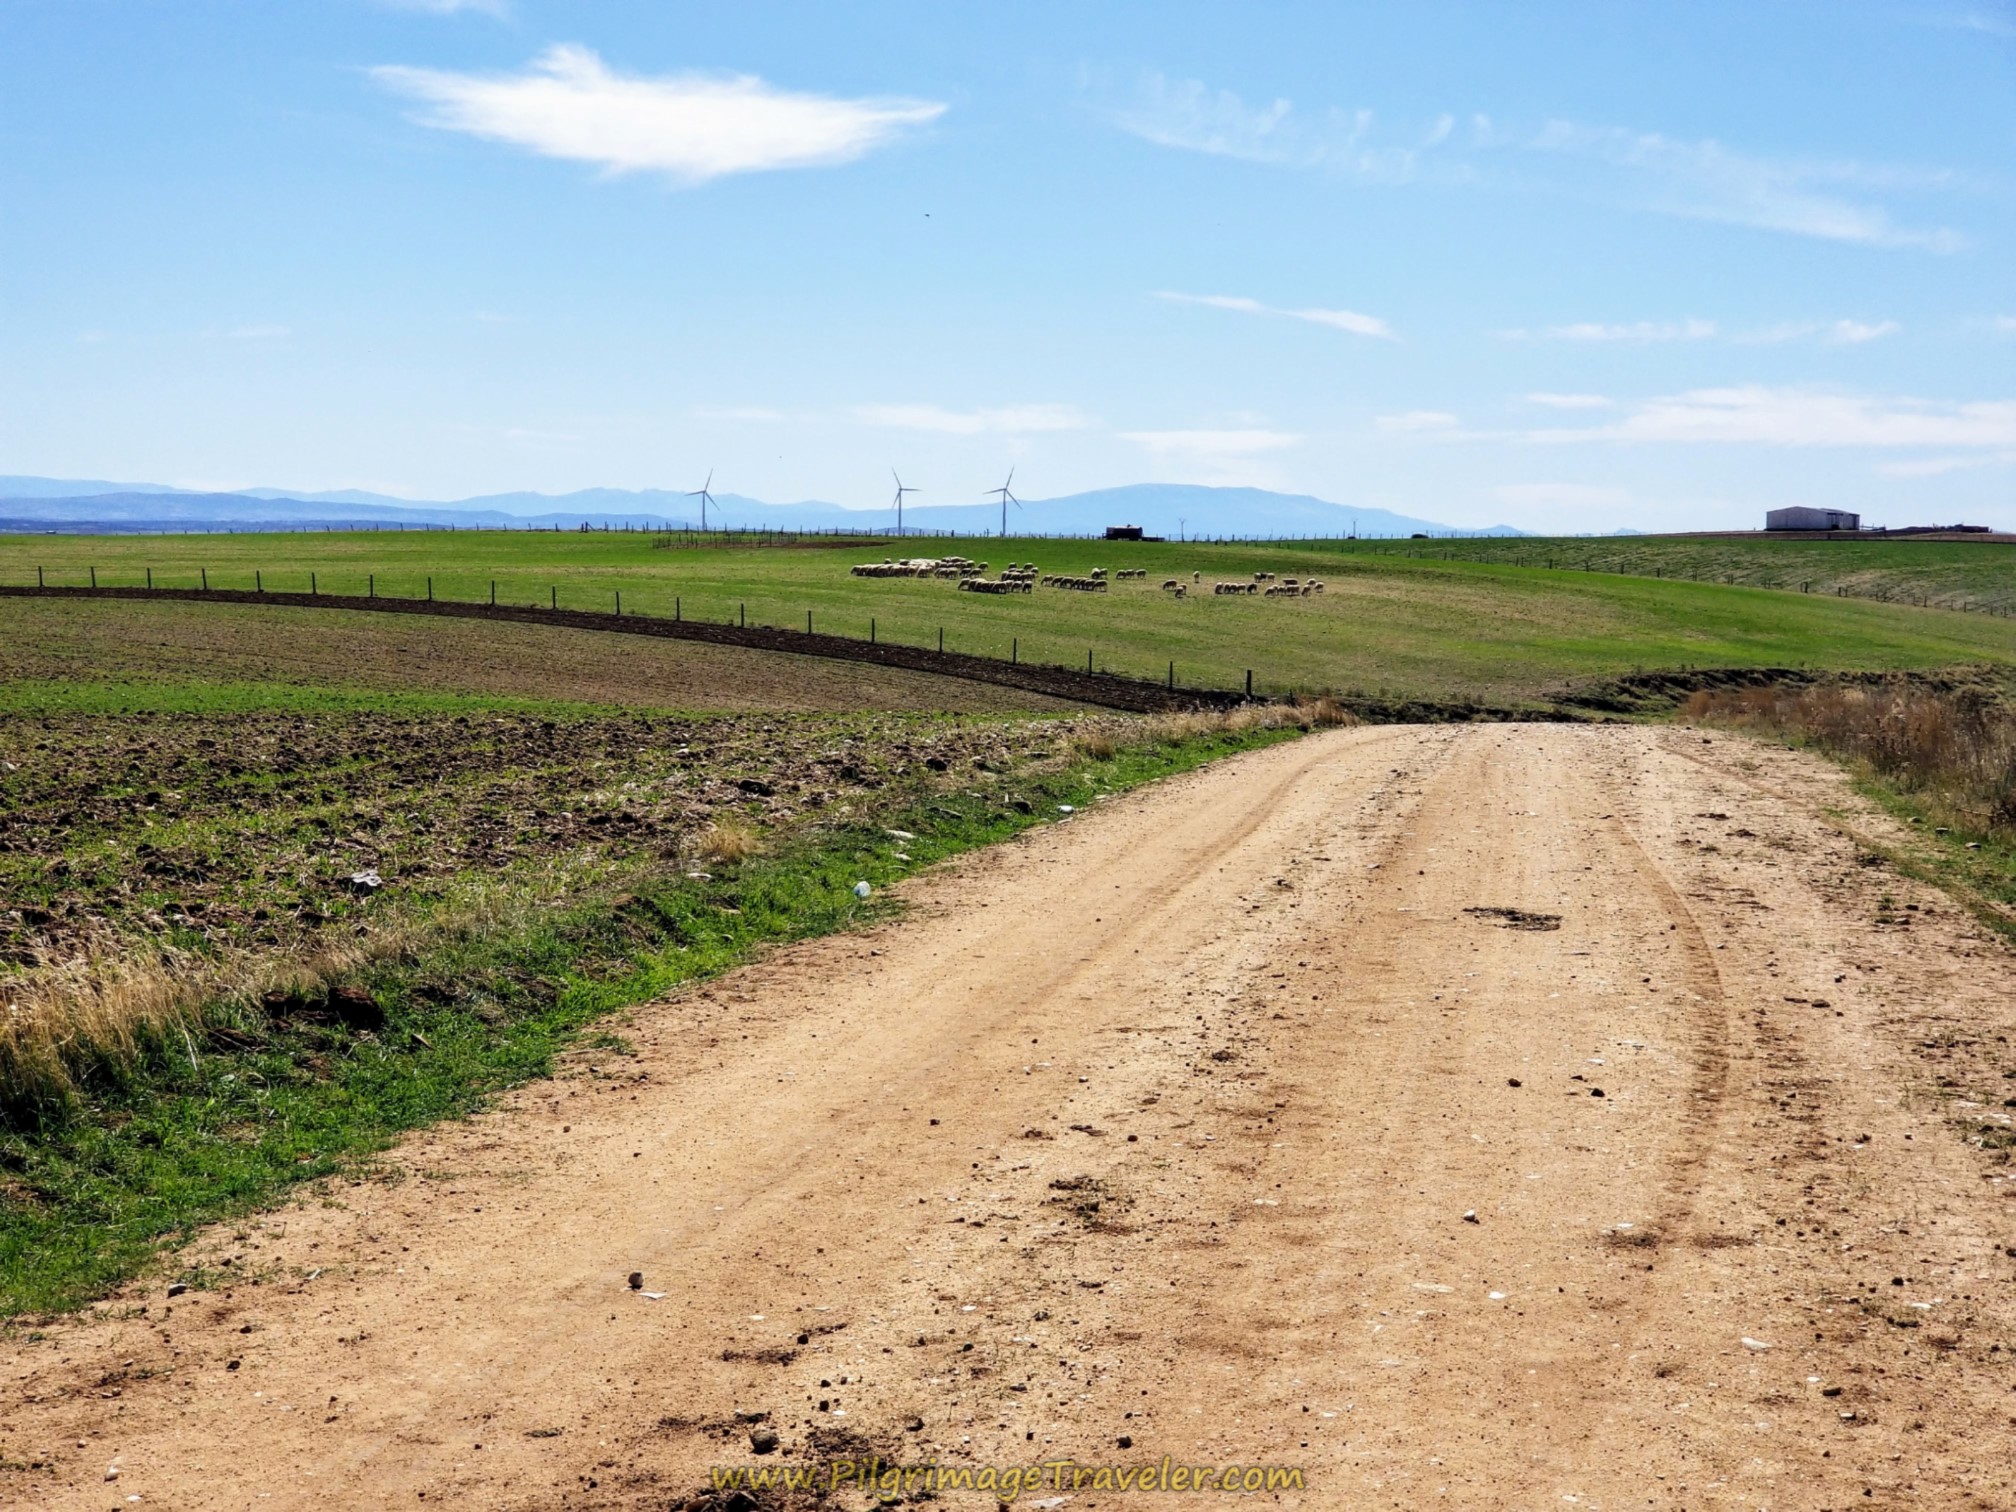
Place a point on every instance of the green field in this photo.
(1452, 622)
(1978, 576)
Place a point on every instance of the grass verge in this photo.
(1940, 758)
(224, 1113)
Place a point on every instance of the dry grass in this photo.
(98, 1009)
(1956, 747)
(728, 840)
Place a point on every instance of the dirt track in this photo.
(1166, 1125)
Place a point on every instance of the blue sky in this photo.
(1573, 267)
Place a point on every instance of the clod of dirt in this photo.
(356, 1008)
(763, 1441)
(636, 1280)
(756, 787)
(1517, 918)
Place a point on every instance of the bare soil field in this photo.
(1490, 1117)
(244, 829)
(111, 640)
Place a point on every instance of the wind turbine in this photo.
(1007, 498)
(703, 496)
(900, 491)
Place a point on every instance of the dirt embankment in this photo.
(1256, 1118)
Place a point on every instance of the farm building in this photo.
(1800, 517)
(1123, 532)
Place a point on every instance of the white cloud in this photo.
(1705, 180)
(497, 8)
(2006, 324)
(1570, 401)
(1831, 199)
(753, 413)
(1417, 422)
(1638, 330)
(1561, 495)
(690, 127)
(1217, 443)
(1189, 114)
(1229, 457)
(1765, 416)
(1012, 419)
(1833, 332)
(1336, 320)
(1855, 332)
(1932, 467)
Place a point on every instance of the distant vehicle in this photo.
(1801, 517)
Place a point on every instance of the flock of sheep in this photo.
(1022, 577)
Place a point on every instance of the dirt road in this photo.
(1214, 1124)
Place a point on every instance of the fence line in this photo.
(1111, 690)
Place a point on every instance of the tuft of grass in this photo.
(728, 841)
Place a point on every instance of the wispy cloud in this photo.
(1417, 422)
(1761, 415)
(1215, 456)
(1012, 419)
(1571, 401)
(756, 414)
(497, 8)
(2006, 324)
(1705, 180)
(1832, 332)
(1189, 114)
(689, 127)
(1828, 198)
(1985, 22)
(1637, 330)
(1933, 467)
(1336, 320)
(1561, 495)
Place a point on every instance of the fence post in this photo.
(258, 582)
(742, 615)
(555, 592)
(1249, 682)
(675, 609)
(206, 578)
(871, 629)
(619, 603)
(38, 579)
(430, 590)
(1088, 658)
(1172, 674)
(941, 640)
(1014, 650)
(493, 593)
(808, 621)
(94, 577)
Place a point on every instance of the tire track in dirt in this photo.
(1163, 1131)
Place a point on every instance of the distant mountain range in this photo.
(1162, 509)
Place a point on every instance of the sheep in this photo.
(1170, 585)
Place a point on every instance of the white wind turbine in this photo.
(900, 491)
(1007, 497)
